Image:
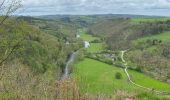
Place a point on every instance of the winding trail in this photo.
(129, 78)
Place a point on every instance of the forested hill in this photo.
(97, 16)
(31, 59)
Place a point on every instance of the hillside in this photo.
(33, 60)
(144, 37)
(95, 76)
(36, 51)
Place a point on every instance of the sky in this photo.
(85, 7)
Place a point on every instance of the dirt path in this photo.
(129, 78)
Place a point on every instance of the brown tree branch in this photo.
(10, 9)
(2, 3)
(11, 52)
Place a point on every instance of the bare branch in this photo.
(2, 21)
(8, 8)
(13, 49)
(1, 4)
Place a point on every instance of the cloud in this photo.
(94, 6)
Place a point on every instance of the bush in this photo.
(80, 55)
(118, 75)
(168, 74)
(96, 41)
(138, 69)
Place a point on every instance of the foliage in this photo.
(96, 41)
(168, 74)
(165, 49)
(32, 69)
(35, 63)
(118, 75)
(142, 20)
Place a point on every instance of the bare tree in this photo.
(7, 8)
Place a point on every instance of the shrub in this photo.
(138, 69)
(168, 74)
(96, 41)
(118, 75)
(80, 55)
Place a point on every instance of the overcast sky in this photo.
(52, 7)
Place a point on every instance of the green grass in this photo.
(138, 20)
(98, 77)
(162, 36)
(94, 47)
(144, 80)
(86, 37)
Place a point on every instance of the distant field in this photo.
(138, 20)
(163, 36)
(86, 37)
(95, 47)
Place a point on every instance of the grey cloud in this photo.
(95, 6)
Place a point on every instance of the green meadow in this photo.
(146, 81)
(163, 36)
(85, 36)
(138, 20)
(94, 76)
(94, 47)
(97, 77)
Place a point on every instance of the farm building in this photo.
(86, 44)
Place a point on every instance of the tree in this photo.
(118, 75)
(7, 46)
(7, 8)
(168, 75)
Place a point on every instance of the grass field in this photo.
(94, 47)
(86, 37)
(163, 36)
(97, 77)
(146, 81)
(138, 20)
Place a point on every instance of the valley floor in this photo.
(97, 77)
